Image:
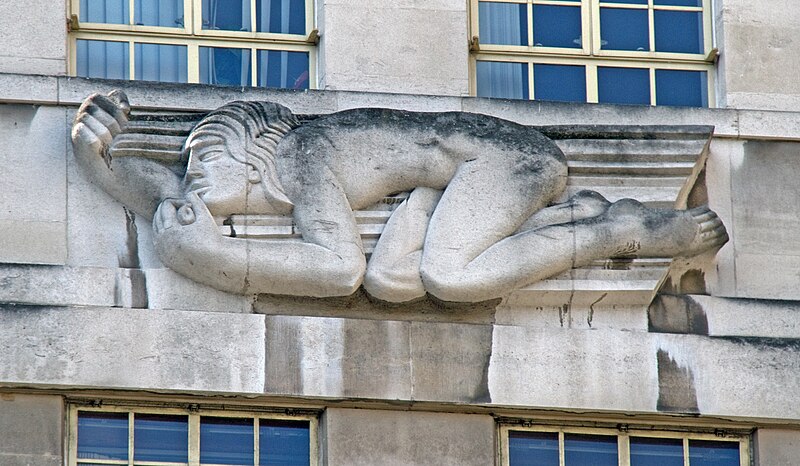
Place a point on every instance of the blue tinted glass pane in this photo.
(503, 23)
(594, 450)
(228, 15)
(532, 448)
(679, 31)
(226, 440)
(288, 70)
(160, 438)
(557, 26)
(629, 2)
(281, 16)
(224, 66)
(647, 451)
(624, 29)
(503, 80)
(156, 62)
(682, 88)
(565, 83)
(104, 11)
(679, 2)
(283, 443)
(165, 13)
(713, 453)
(102, 59)
(623, 85)
(103, 436)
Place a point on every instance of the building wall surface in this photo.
(715, 343)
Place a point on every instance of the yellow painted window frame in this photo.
(623, 439)
(194, 36)
(193, 415)
(590, 55)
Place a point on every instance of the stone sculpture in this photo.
(479, 222)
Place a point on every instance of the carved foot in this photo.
(649, 232)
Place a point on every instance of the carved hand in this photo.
(98, 121)
(183, 226)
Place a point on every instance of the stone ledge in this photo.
(407, 362)
(736, 123)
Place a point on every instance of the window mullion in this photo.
(193, 62)
(651, 22)
(530, 24)
(562, 460)
(591, 83)
(194, 440)
(685, 451)
(256, 442)
(531, 90)
(253, 19)
(131, 60)
(131, 13)
(652, 78)
(253, 69)
(130, 438)
(624, 449)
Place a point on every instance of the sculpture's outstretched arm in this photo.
(138, 183)
(329, 263)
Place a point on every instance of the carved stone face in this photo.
(220, 181)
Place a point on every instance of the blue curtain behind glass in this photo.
(503, 23)
(228, 15)
(288, 70)
(225, 66)
(502, 80)
(104, 11)
(102, 59)
(281, 16)
(165, 13)
(158, 62)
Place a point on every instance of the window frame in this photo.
(623, 435)
(590, 55)
(193, 413)
(193, 36)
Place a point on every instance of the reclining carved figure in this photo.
(479, 222)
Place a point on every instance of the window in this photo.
(174, 436)
(648, 52)
(266, 43)
(577, 446)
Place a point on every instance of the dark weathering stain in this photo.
(676, 314)
(129, 259)
(676, 392)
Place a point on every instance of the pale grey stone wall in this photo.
(34, 37)
(392, 438)
(31, 430)
(776, 447)
(759, 61)
(408, 46)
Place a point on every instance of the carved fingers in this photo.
(712, 230)
(99, 119)
(184, 221)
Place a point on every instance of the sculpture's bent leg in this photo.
(627, 228)
(393, 270)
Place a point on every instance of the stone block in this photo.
(762, 80)
(32, 429)
(134, 349)
(338, 357)
(723, 154)
(415, 103)
(169, 290)
(57, 286)
(767, 257)
(44, 20)
(372, 48)
(370, 437)
(34, 184)
(776, 447)
(618, 317)
(28, 89)
(450, 362)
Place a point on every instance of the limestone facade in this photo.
(88, 312)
